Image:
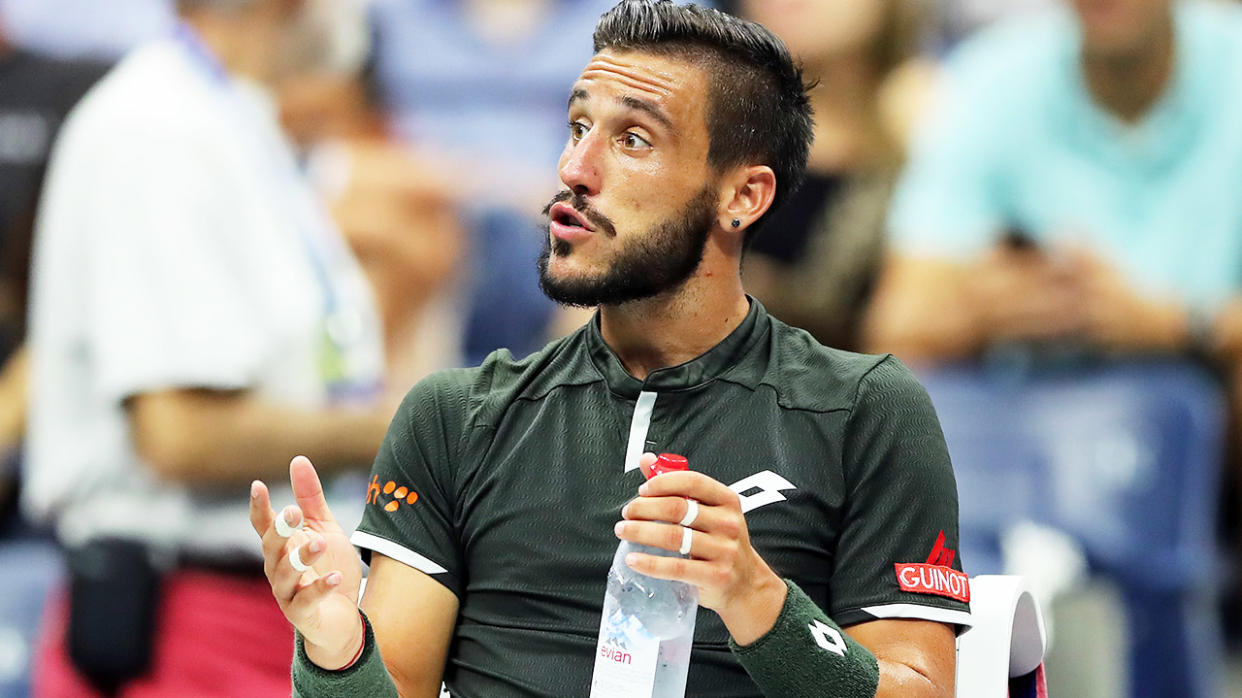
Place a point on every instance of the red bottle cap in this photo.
(669, 463)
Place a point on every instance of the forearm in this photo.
(923, 310)
(806, 655)
(932, 327)
(206, 438)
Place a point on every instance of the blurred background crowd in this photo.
(236, 230)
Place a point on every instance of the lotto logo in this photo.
(827, 637)
(389, 489)
(766, 486)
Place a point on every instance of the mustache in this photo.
(579, 203)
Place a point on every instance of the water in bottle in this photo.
(647, 627)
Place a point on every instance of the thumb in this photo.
(645, 462)
(307, 489)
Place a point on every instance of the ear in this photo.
(746, 194)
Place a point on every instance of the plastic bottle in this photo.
(647, 627)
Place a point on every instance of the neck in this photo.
(1128, 85)
(846, 127)
(238, 39)
(679, 325)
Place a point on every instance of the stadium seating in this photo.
(31, 567)
(1125, 457)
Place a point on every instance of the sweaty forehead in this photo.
(666, 80)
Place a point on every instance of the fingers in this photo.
(287, 580)
(290, 520)
(693, 485)
(303, 602)
(307, 489)
(678, 539)
(261, 514)
(700, 573)
(684, 512)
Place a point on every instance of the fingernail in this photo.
(315, 545)
(624, 509)
(631, 559)
(642, 489)
(618, 528)
(289, 516)
(254, 489)
(333, 579)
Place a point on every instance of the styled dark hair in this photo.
(758, 109)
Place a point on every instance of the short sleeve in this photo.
(410, 513)
(896, 555)
(948, 202)
(170, 287)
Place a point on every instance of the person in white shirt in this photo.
(195, 319)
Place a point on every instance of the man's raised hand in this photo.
(321, 601)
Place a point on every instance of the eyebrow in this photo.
(631, 102)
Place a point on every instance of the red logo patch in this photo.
(933, 579)
(935, 576)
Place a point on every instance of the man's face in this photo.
(639, 198)
(1120, 28)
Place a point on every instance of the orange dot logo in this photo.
(390, 488)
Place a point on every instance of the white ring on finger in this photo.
(295, 559)
(283, 529)
(687, 538)
(692, 513)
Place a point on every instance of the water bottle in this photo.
(647, 626)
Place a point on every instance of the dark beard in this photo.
(660, 261)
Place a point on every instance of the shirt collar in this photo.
(698, 371)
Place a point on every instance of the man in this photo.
(1076, 195)
(1049, 198)
(195, 316)
(492, 516)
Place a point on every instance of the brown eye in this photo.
(634, 141)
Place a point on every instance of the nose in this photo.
(580, 164)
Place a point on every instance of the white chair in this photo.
(1006, 644)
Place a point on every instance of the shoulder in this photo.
(1012, 58)
(1211, 37)
(480, 395)
(810, 376)
(147, 97)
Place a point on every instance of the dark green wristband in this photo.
(805, 655)
(365, 677)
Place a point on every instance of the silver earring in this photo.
(736, 223)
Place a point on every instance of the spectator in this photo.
(1049, 197)
(195, 319)
(398, 213)
(35, 94)
(1075, 196)
(815, 263)
(477, 87)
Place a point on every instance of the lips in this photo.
(568, 216)
(567, 224)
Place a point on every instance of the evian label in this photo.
(625, 659)
(933, 579)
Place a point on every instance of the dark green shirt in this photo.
(503, 482)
